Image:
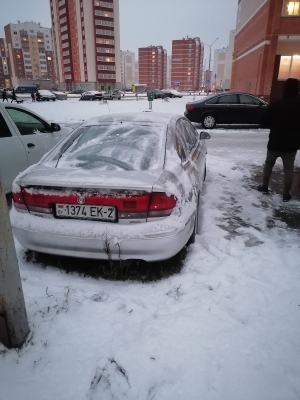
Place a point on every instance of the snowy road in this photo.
(226, 327)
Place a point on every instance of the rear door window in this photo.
(245, 99)
(213, 101)
(189, 134)
(228, 99)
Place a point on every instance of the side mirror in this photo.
(54, 127)
(204, 135)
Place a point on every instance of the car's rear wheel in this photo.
(209, 121)
(53, 99)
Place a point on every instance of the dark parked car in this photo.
(77, 91)
(172, 93)
(157, 94)
(91, 95)
(226, 108)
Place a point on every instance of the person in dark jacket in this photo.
(4, 95)
(13, 96)
(38, 96)
(283, 119)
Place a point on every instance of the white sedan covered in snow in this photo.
(123, 186)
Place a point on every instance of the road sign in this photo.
(215, 76)
(207, 81)
(176, 83)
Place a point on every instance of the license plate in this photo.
(102, 213)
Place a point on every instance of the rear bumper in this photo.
(192, 117)
(161, 244)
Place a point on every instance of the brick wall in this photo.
(253, 70)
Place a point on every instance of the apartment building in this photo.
(169, 69)
(128, 69)
(30, 52)
(266, 47)
(86, 38)
(4, 65)
(153, 67)
(223, 65)
(187, 63)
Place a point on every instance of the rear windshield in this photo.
(113, 147)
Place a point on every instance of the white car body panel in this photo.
(15, 155)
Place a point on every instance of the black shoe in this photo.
(286, 197)
(263, 189)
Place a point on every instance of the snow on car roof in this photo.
(147, 118)
(45, 91)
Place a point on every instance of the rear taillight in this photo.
(136, 206)
(19, 201)
(190, 108)
(161, 205)
(37, 202)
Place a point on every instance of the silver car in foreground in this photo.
(122, 187)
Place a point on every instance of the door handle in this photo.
(30, 145)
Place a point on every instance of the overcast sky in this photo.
(146, 22)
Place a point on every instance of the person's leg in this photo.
(267, 171)
(288, 160)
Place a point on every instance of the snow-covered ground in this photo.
(226, 327)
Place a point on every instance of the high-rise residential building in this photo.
(86, 36)
(187, 63)
(136, 72)
(266, 46)
(128, 73)
(169, 69)
(4, 65)
(30, 52)
(223, 65)
(153, 67)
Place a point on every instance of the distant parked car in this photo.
(157, 94)
(24, 138)
(171, 93)
(91, 95)
(112, 94)
(226, 108)
(77, 91)
(46, 95)
(60, 95)
(123, 186)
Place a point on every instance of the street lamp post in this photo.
(209, 61)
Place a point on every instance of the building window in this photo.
(289, 67)
(104, 32)
(291, 8)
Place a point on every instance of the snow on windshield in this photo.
(123, 146)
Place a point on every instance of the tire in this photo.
(47, 99)
(53, 99)
(209, 121)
